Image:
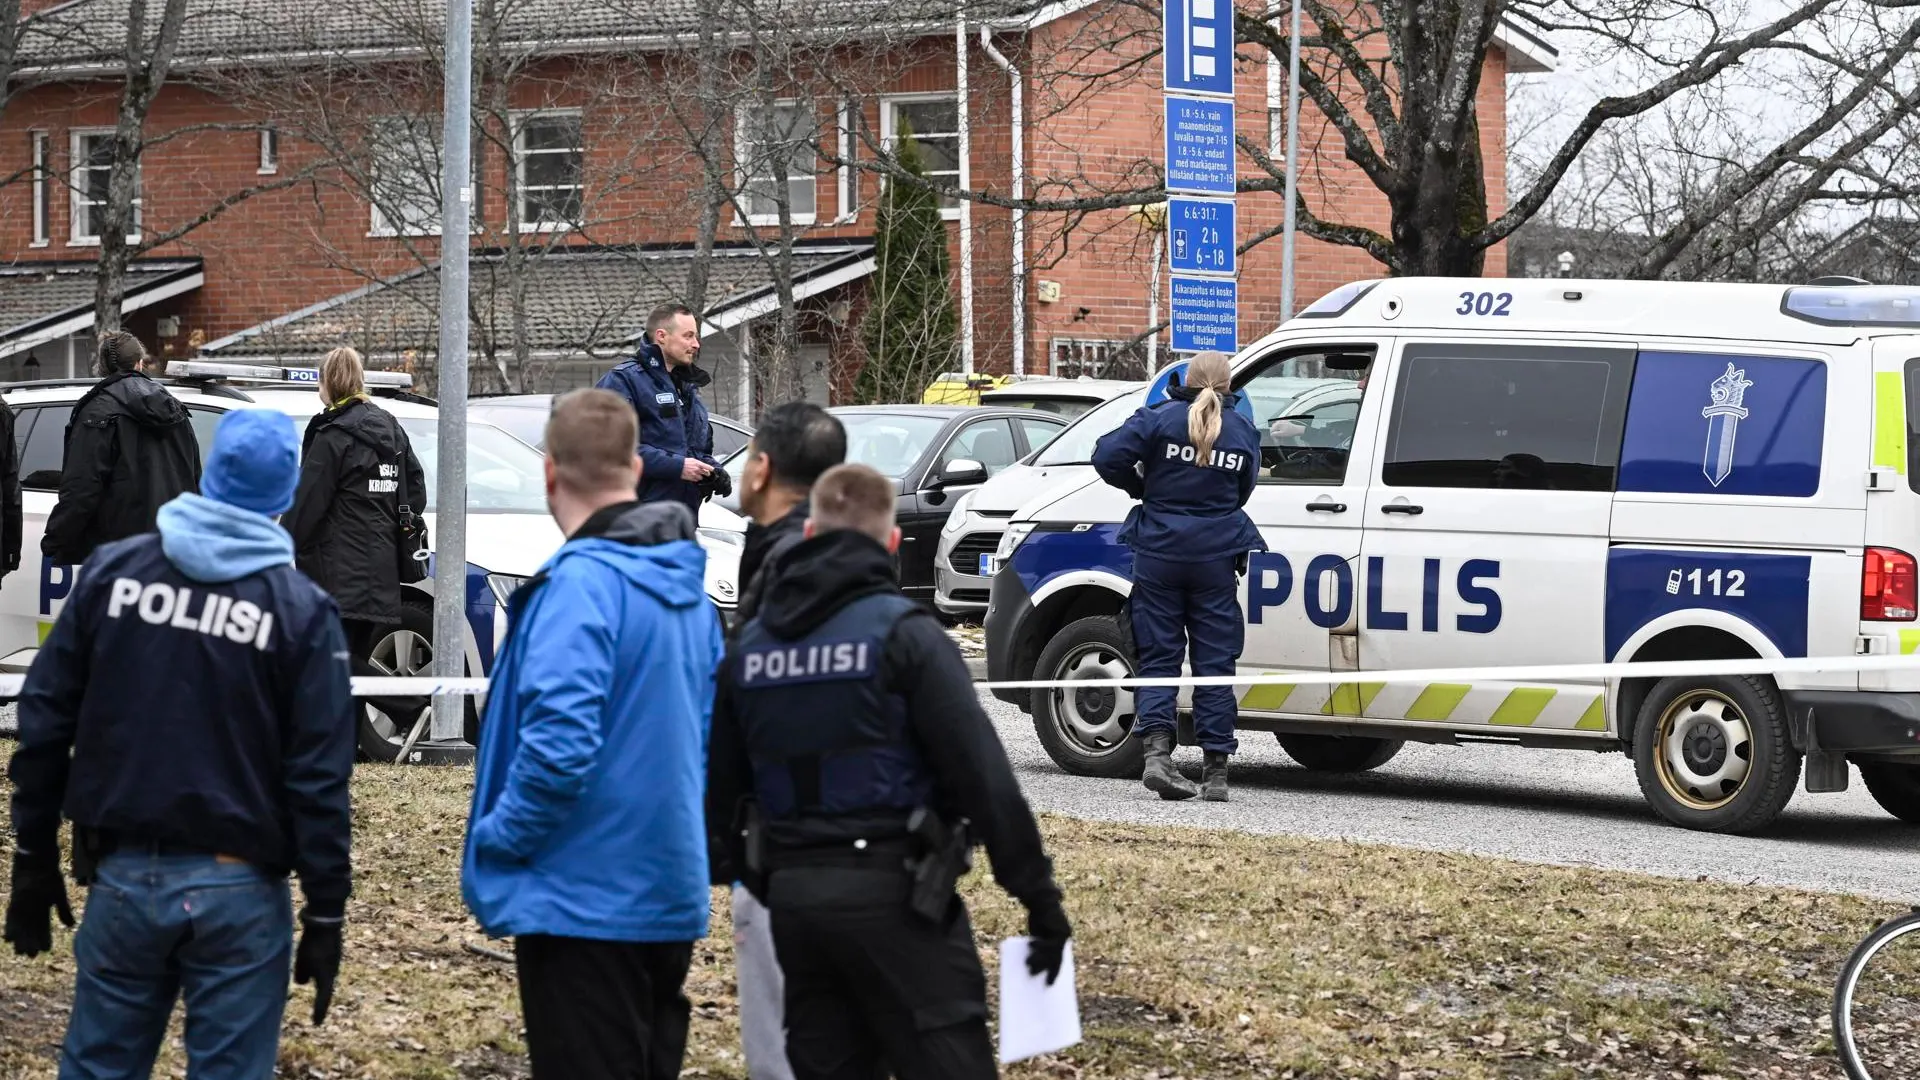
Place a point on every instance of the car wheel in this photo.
(1088, 732)
(1339, 753)
(1713, 753)
(405, 650)
(1896, 787)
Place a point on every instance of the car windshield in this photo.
(527, 425)
(889, 443)
(504, 475)
(1074, 446)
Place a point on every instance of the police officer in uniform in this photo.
(851, 771)
(663, 385)
(190, 713)
(1192, 461)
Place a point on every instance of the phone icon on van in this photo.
(1674, 577)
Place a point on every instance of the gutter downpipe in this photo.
(1019, 192)
(966, 204)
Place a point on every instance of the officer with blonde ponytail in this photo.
(1192, 461)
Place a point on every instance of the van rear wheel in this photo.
(1895, 787)
(1713, 753)
(1339, 753)
(1088, 732)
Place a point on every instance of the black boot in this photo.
(1159, 775)
(1215, 777)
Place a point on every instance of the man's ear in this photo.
(806, 531)
(639, 468)
(893, 541)
(552, 474)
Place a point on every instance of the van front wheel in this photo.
(1713, 753)
(1088, 732)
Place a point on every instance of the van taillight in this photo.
(1889, 590)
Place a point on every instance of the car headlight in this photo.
(1011, 539)
(503, 586)
(958, 515)
(724, 536)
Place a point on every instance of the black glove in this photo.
(1048, 927)
(718, 483)
(318, 959)
(38, 891)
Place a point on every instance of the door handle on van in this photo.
(1327, 506)
(1402, 508)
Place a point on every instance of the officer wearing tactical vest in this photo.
(191, 713)
(851, 771)
(1192, 461)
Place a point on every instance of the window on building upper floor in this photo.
(92, 164)
(404, 176)
(269, 151)
(935, 122)
(771, 137)
(42, 188)
(549, 149)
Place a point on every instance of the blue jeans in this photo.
(1174, 604)
(159, 927)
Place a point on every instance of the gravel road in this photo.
(1558, 806)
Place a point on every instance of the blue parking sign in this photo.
(1200, 236)
(1199, 46)
(1200, 146)
(1205, 314)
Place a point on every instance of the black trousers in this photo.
(603, 1010)
(871, 988)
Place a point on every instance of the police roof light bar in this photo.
(206, 369)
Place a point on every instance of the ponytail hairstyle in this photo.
(1208, 376)
(119, 351)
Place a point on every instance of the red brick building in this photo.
(588, 181)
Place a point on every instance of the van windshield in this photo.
(1074, 446)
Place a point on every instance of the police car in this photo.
(1534, 472)
(509, 530)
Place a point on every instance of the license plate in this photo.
(986, 566)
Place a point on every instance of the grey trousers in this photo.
(763, 1034)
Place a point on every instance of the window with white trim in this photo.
(847, 182)
(405, 176)
(780, 134)
(935, 122)
(92, 166)
(269, 151)
(549, 151)
(42, 188)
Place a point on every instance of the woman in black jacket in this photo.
(357, 469)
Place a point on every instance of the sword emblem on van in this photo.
(1723, 422)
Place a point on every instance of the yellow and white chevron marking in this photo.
(1496, 704)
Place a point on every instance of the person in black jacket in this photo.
(189, 713)
(130, 449)
(11, 540)
(847, 734)
(357, 469)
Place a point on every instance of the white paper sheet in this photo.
(1035, 1018)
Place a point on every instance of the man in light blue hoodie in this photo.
(587, 840)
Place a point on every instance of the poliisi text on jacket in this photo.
(818, 662)
(219, 615)
(1221, 459)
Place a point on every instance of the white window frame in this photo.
(42, 182)
(742, 153)
(269, 151)
(377, 223)
(887, 103)
(77, 204)
(846, 181)
(519, 121)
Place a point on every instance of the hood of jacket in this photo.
(820, 576)
(361, 420)
(1228, 400)
(691, 373)
(139, 398)
(652, 543)
(212, 541)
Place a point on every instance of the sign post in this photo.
(1201, 237)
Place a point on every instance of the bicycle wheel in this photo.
(1876, 1003)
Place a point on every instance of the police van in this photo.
(510, 532)
(1544, 472)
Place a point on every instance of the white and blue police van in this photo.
(1544, 472)
(510, 532)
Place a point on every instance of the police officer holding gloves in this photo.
(851, 770)
(1192, 460)
(190, 712)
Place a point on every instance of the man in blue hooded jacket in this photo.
(191, 714)
(662, 384)
(587, 841)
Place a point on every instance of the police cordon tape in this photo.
(388, 686)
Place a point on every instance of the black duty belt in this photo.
(890, 854)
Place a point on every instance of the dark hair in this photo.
(663, 315)
(801, 441)
(119, 351)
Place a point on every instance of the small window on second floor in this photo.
(549, 151)
(935, 123)
(405, 176)
(92, 164)
(269, 151)
(778, 136)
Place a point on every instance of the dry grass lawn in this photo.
(1202, 955)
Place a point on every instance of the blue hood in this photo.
(211, 541)
(652, 545)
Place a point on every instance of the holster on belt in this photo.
(89, 846)
(942, 857)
